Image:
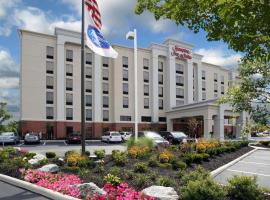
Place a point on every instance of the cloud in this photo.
(8, 83)
(5, 6)
(8, 67)
(219, 57)
(11, 97)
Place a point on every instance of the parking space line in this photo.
(258, 174)
(44, 143)
(254, 163)
(65, 143)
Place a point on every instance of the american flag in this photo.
(93, 10)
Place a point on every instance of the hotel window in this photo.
(179, 93)
(160, 66)
(125, 75)
(146, 119)
(88, 86)
(105, 87)
(162, 119)
(88, 72)
(179, 68)
(203, 75)
(125, 88)
(215, 77)
(88, 58)
(49, 52)
(49, 97)
(222, 80)
(69, 55)
(105, 62)
(203, 96)
(146, 90)
(105, 115)
(160, 104)
(146, 103)
(88, 100)
(160, 79)
(105, 101)
(49, 112)
(69, 114)
(179, 102)
(69, 70)
(222, 89)
(69, 84)
(49, 67)
(180, 80)
(105, 73)
(49, 82)
(88, 114)
(125, 118)
(146, 77)
(160, 91)
(203, 86)
(216, 87)
(125, 61)
(69, 99)
(125, 102)
(145, 64)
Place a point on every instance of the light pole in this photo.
(132, 35)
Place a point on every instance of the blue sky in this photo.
(117, 16)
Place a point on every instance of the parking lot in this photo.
(257, 164)
(60, 146)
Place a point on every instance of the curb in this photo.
(34, 188)
(222, 168)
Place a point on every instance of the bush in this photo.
(141, 181)
(71, 169)
(116, 171)
(128, 175)
(141, 142)
(83, 173)
(100, 153)
(69, 152)
(165, 181)
(140, 167)
(165, 165)
(173, 147)
(186, 147)
(87, 153)
(265, 143)
(43, 162)
(113, 180)
(166, 156)
(138, 152)
(244, 188)
(119, 157)
(179, 165)
(153, 162)
(10, 167)
(75, 159)
(50, 155)
(198, 174)
(30, 155)
(202, 189)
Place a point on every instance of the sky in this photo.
(118, 18)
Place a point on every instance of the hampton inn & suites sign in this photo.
(181, 53)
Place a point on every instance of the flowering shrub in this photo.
(63, 183)
(74, 158)
(203, 145)
(137, 151)
(186, 147)
(166, 156)
(113, 180)
(120, 192)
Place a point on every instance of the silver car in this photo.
(31, 138)
(9, 137)
(157, 139)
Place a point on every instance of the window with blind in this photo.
(145, 64)
(203, 74)
(203, 96)
(49, 67)
(49, 112)
(49, 82)
(180, 80)
(105, 62)
(146, 103)
(69, 99)
(88, 113)
(88, 100)
(203, 86)
(125, 88)
(105, 101)
(125, 75)
(125, 118)
(69, 55)
(49, 97)
(125, 61)
(88, 72)
(69, 114)
(88, 86)
(105, 87)
(105, 115)
(215, 77)
(146, 90)
(179, 68)
(215, 87)
(88, 58)
(49, 52)
(160, 66)
(160, 79)
(105, 74)
(179, 93)
(146, 76)
(222, 80)
(69, 70)
(69, 84)
(160, 104)
(125, 102)
(160, 91)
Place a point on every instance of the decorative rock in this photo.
(90, 188)
(49, 168)
(35, 160)
(161, 193)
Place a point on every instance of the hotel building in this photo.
(173, 86)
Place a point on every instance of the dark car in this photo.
(74, 137)
(175, 137)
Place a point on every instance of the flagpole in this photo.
(82, 83)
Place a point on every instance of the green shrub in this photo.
(140, 167)
(11, 151)
(9, 168)
(128, 175)
(141, 181)
(142, 142)
(173, 147)
(202, 189)
(43, 162)
(188, 158)
(100, 167)
(100, 153)
(165, 165)
(50, 155)
(69, 152)
(113, 180)
(153, 175)
(71, 169)
(4, 156)
(244, 188)
(87, 153)
(116, 171)
(153, 162)
(265, 143)
(180, 174)
(120, 158)
(84, 163)
(179, 165)
(198, 174)
(30, 155)
(165, 181)
(83, 173)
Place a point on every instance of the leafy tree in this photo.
(4, 115)
(243, 25)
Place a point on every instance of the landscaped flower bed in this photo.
(123, 174)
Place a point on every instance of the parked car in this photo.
(74, 137)
(176, 137)
(157, 139)
(31, 138)
(9, 137)
(111, 136)
(125, 135)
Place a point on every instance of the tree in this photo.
(193, 125)
(243, 25)
(4, 115)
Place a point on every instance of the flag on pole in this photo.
(93, 37)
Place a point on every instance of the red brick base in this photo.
(58, 130)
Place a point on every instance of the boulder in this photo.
(90, 188)
(53, 168)
(35, 160)
(161, 193)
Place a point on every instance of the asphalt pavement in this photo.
(257, 164)
(10, 192)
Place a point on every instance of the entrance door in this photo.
(50, 133)
(69, 130)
